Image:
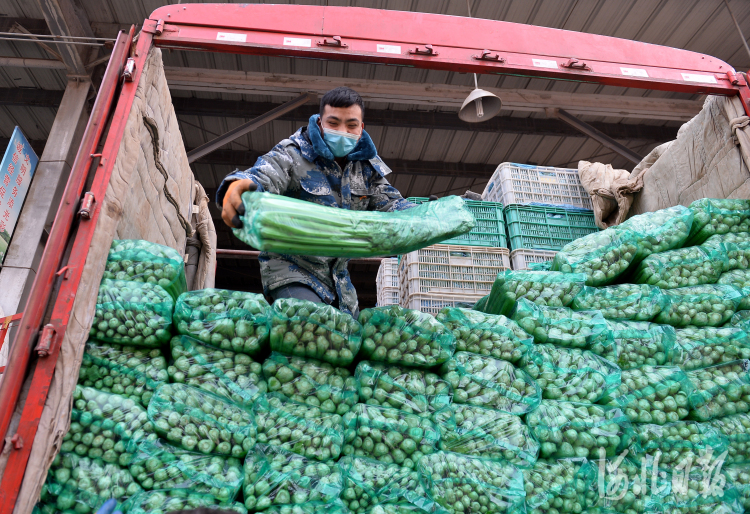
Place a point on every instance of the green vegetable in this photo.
(484, 334)
(673, 443)
(481, 304)
(135, 260)
(462, 484)
(405, 337)
(541, 287)
(172, 500)
(657, 232)
(158, 465)
(299, 428)
(228, 320)
(684, 267)
(406, 508)
(636, 302)
(652, 394)
(601, 256)
(389, 435)
(739, 475)
(720, 390)
(562, 326)
(563, 486)
(736, 246)
(370, 483)
(106, 426)
(409, 390)
(706, 346)
(315, 331)
(700, 493)
(232, 376)
(489, 382)
(736, 428)
(569, 429)
(82, 485)
(132, 313)
(198, 420)
(274, 476)
(740, 278)
(569, 373)
(309, 508)
(712, 216)
(126, 370)
(628, 487)
(739, 319)
(706, 305)
(279, 224)
(486, 433)
(637, 343)
(312, 382)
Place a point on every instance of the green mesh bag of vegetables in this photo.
(563, 486)
(462, 484)
(700, 306)
(314, 330)
(275, 223)
(569, 373)
(624, 302)
(562, 326)
(163, 501)
(158, 465)
(82, 485)
(541, 287)
(126, 370)
(628, 487)
(601, 256)
(406, 508)
(637, 343)
(136, 260)
(683, 267)
(198, 420)
(739, 475)
(335, 507)
(659, 231)
(718, 216)
(486, 433)
(736, 246)
(368, 483)
(274, 476)
(582, 430)
(132, 313)
(484, 334)
(405, 337)
(481, 304)
(413, 391)
(299, 428)
(720, 390)
(106, 426)
(736, 428)
(389, 435)
(652, 394)
(229, 320)
(313, 382)
(700, 347)
(701, 490)
(740, 278)
(673, 443)
(489, 382)
(235, 377)
(739, 319)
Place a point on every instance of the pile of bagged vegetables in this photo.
(560, 392)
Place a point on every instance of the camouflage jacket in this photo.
(303, 167)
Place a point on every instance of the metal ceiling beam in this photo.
(20, 62)
(417, 93)
(62, 22)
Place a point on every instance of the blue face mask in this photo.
(340, 143)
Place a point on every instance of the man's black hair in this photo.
(342, 97)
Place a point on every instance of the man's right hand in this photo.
(233, 207)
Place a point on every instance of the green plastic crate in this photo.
(546, 228)
(489, 230)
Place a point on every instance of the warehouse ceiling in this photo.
(417, 132)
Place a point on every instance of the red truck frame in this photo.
(353, 34)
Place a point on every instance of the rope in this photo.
(154, 131)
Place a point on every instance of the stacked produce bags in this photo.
(619, 381)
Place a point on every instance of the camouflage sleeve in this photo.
(386, 198)
(271, 173)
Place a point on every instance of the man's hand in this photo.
(233, 208)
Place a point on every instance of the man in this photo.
(332, 161)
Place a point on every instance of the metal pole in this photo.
(596, 134)
(736, 24)
(20, 62)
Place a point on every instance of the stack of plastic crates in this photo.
(387, 282)
(545, 208)
(449, 275)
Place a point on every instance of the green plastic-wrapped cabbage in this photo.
(701, 306)
(720, 390)
(659, 231)
(634, 302)
(601, 256)
(700, 347)
(718, 216)
(637, 343)
(691, 266)
(541, 287)
(562, 326)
